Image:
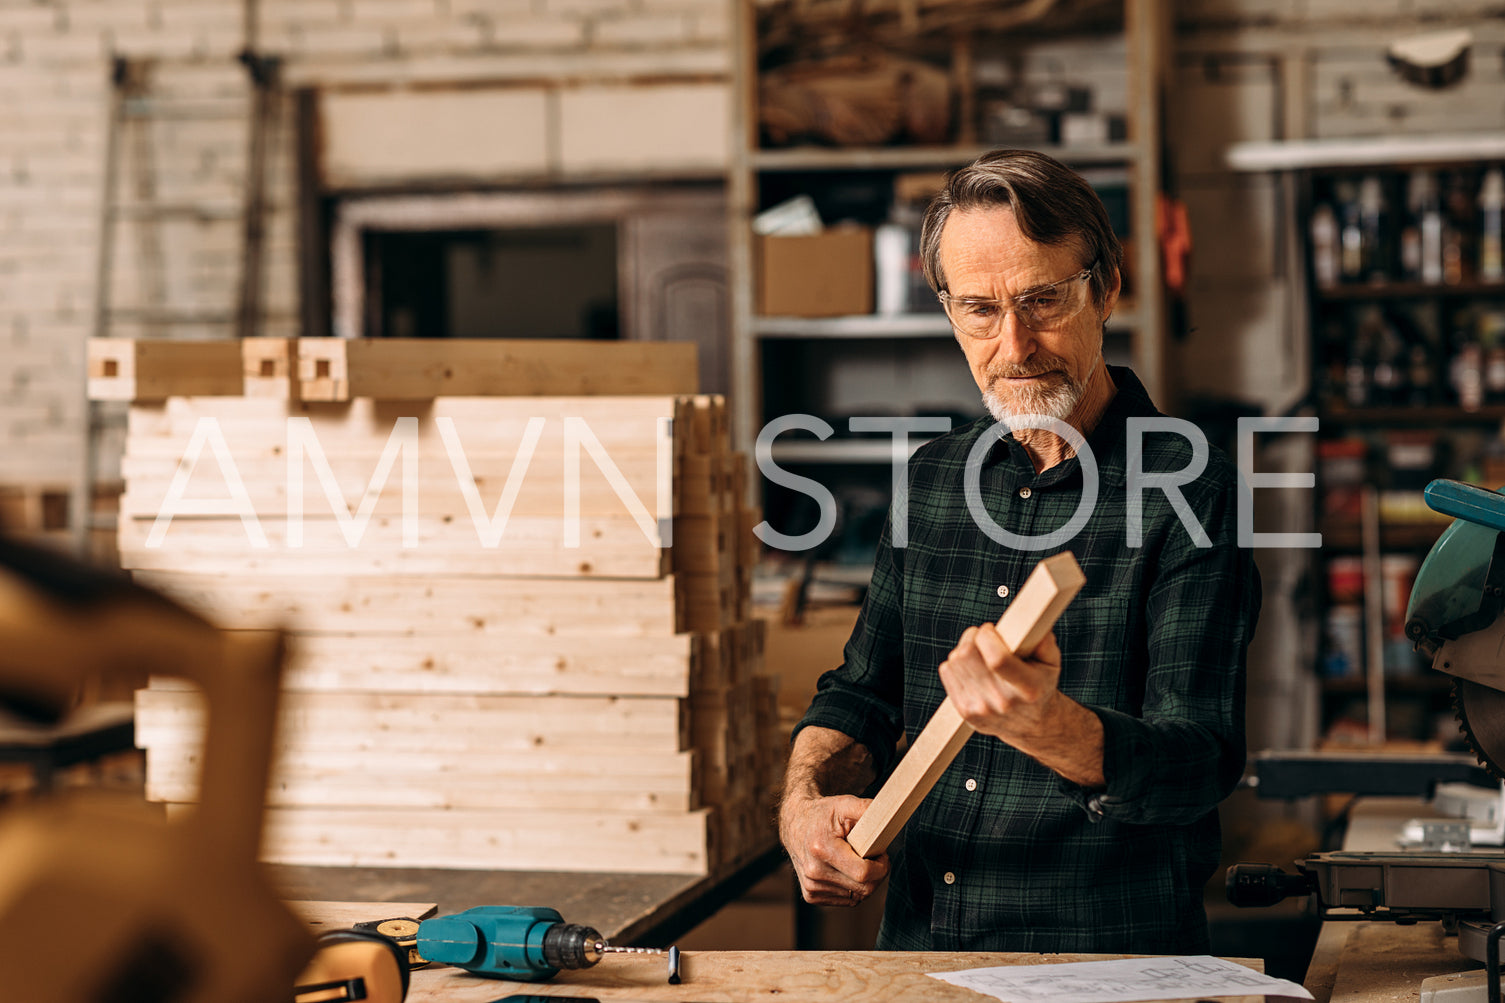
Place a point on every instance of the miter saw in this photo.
(1454, 616)
(1454, 613)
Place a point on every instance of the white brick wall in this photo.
(54, 84)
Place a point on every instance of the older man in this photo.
(1081, 816)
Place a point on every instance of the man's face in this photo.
(1021, 371)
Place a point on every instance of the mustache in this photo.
(1035, 367)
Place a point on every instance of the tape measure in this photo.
(401, 930)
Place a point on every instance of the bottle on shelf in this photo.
(1491, 327)
(1351, 235)
(1491, 225)
(1374, 230)
(1467, 371)
(1388, 377)
(1325, 256)
(1456, 231)
(1358, 371)
(1420, 378)
(1427, 209)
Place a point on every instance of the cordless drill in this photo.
(521, 943)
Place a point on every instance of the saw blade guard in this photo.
(1450, 585)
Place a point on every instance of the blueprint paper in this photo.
(1119, 981)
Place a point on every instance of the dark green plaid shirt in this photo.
(1023, 860)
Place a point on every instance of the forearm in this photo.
(825, 762)
(1069, 741)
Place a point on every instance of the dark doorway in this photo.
(533, 282)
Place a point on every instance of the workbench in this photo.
(753, 977)
(1357, 962)
(651, 910)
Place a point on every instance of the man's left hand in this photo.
(1017, 700)
(998, 692)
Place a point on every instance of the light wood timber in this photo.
(631, 843)
(553, 608)
(544, 764)
(295, 785)
(482, 423)
(1045, 593)
(124, 369)
(337, 369)
(437, 722)
(610, 546)
(438, 494)
(343, 915)
(764, 977)
(571, 664)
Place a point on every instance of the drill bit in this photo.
(602, 947)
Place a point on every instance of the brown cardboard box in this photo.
(827, 274)
(798, 655)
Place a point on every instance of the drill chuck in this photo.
(570, 945)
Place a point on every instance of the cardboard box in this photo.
(827, 274)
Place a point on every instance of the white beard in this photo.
(1056, 399)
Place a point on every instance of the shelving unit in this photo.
(766, 350)
(1402, 697)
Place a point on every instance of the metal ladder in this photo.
(133, 113)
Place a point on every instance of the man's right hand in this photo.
(814, 831)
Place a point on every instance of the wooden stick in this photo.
(1048, 590)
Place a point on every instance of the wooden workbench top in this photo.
(753, 977)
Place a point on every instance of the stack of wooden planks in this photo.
(519, 611)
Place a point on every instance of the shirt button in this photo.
(1003, 591)
(971, 784)
(1025, 492)
(949, 878)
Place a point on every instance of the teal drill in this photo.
(521, 943)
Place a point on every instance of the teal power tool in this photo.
(1457, 612)
(521, 943)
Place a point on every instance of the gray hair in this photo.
(1051, 203)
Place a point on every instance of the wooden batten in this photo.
(128, 369)
(337, 369)
(549, 609)
(582, 840)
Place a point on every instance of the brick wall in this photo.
(591, 63)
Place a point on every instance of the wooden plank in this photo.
(630, 843)
(437, 723)
(540, 490)
(605, 786)
(125, 369)
(556, 765)
(480, 420)
(485, 606)
(524, 664)
(760, 976)
(337, 369)
(610, 546)
(343, 915)
(1048, 590)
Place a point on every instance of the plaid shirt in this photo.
(1021, 859)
